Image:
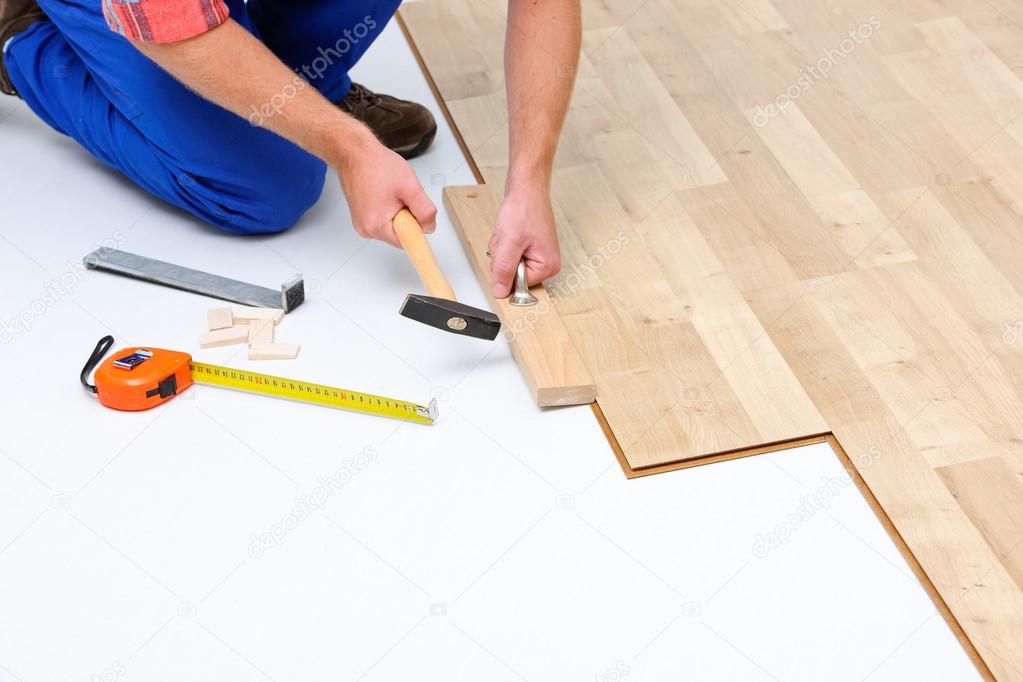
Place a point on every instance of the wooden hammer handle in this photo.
(410, 234)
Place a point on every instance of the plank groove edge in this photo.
(437, 96)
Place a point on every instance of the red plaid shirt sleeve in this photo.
(164, 21)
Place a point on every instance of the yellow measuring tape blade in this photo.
(304, 391)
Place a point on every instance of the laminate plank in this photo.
(733, 336)
(620, 71)
(991, 494)
(857, 224)
(753, 16)
(656, 295)
(741, 241)
(942, 72)
(804, 154)
(550, 363)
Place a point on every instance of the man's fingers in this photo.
(538, 271)
(383, 230)
(386, 234)
(505, 257)
(422, 208)
(545, 266)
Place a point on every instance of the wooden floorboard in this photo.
(782, 218)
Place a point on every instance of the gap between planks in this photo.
(439, 99)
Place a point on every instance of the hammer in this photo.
(439, 309)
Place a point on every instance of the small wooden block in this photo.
(224, 337)
(219, 318)
(247, 314)
(273, 351)
(261, 332)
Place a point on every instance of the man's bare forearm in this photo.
(231, 68)
(541, 54)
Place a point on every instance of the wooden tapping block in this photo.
(247, 314)
(219, 318)
(538, 338)
(224, 337)
(273, 351)
(261, 332)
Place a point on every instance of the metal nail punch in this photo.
(521, 295)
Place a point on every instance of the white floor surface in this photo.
(502, 543)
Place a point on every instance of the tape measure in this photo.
(141, 378)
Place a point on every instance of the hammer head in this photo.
(451, 316)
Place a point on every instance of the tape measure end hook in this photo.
(430, 412)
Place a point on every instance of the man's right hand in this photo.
(377, 184)
(229, 67)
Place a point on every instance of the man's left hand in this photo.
(525, 229)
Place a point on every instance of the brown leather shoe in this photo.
(15, 17)
(405, 127)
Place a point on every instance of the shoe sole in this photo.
(412, 151)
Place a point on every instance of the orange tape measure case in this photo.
(138, 378)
